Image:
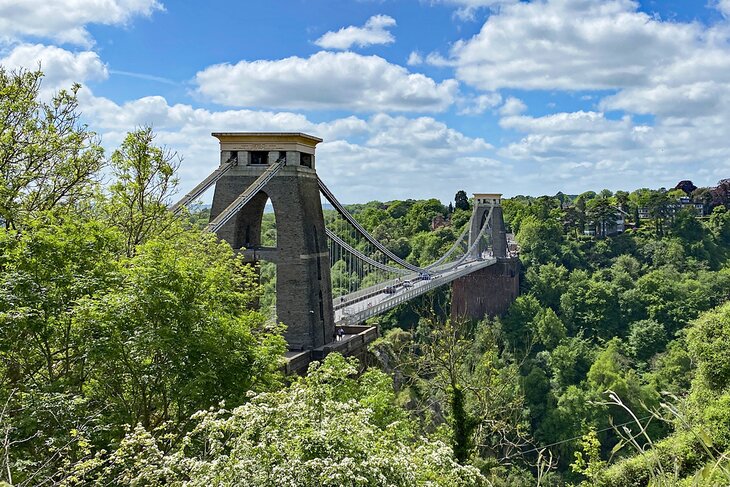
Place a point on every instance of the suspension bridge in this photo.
(369, 277)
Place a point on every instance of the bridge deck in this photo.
(380, 302)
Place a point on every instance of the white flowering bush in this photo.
(327, 429)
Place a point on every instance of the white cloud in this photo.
(65, 20)
(436, 59)
(572, 45)
(587, 150)
(326, 80)
(378, 157)
(570, 123)
(414, 59)
(696, 85)
(677, 72)
(684, 101)
(423, 135)
(61, 68)
(513, 106)
(373, 32)
(476, 105)
(468, 8)
(724, 6)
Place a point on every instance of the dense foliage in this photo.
(326, 429)
(600, 311)
(130, 349)
(112, 313)
(132, 353)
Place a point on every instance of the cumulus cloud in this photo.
(676, 72)
(572, 45)
(475, 105)
(436, 59)
(354, 160)
(513, 106)
(724, 6)
(326, 80)
(61, 68)
(414, 59)
(467, 8)
(694, 86)
(65, 20)
(570, 123)
(375, 31)
(424, 135)
(587, 150)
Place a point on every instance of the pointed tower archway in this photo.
(486, 204)
(303, 286)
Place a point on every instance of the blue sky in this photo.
(413, 98)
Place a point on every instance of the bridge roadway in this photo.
(358, 307)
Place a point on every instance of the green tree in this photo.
(145, 180)
(518, 324)
(672, 370)
(646, 338)
(548, 328)
(326, 429)
(539, 240)
(46, 269)
(573, 221)
(536, 387)
(720, 224)
(462, 200)
(671, 298)
(611, 371)
(459, 218)
(709, 343)
(428, 247)
(420, 214)
(547, 283)
(657, 204)
(48, 159)
(687, 227)
(444, 359)
(176, 335)
(622, 200)
(625, 270)
(603, 215)
(592, 305)
(570, 361)
(588, 461)
(399, 209)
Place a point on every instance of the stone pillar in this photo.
(499, 233)
(484, 203)
(303, 284)
(486, 292)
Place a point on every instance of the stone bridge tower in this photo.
(303, 285)
(488, 291)
(483, 204)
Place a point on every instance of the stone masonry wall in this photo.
(303, 289)
(487, 292)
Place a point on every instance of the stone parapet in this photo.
(354, 344)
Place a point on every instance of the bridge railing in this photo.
(406, 295)
(371, 291)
